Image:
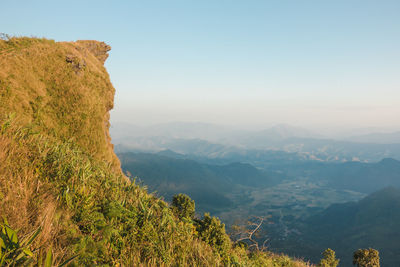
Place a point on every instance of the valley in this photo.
(286, 188)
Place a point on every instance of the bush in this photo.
(183, 206)
(329, 259)
(212, 231)
(366, 258)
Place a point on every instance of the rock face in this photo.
(98, 49)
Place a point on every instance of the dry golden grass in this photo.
(67, 99)
(24, 199)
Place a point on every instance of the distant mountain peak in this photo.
(170, 153)
(389, 161)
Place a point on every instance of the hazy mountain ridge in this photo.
(189, 138)
(377, 138)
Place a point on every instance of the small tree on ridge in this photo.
(366, 258)
(329, 259)
(183, 206)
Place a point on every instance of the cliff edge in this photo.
(62, 88)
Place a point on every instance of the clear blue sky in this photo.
(236, 62)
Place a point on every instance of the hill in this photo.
(209, 185)
(361, 177)
(371, 222)
(60, 182)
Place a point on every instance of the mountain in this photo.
(61, 186)
(172, 130)
(377, 138)
(271, 136)
(207, 184)
(371, 222)
(280, 138)
(362, 177)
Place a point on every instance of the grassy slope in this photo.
(58, 169)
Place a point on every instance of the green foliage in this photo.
(49, 259)
(183, 206)
(13, 251)
(212, 231)
(111, 221)
(329, 259)
(366, 258)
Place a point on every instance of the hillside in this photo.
(209, 185)
(59, 174)
(371, 222)
(361, 177)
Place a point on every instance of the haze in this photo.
(305, 63)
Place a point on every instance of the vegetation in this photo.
(59, 174)
(245, 235)
(183, 206)
(329, 259)
(366, 258)
(212, 231)
(12, 250)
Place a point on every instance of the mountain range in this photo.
(210, 140)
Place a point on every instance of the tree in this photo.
(183, 206)
(329, 259)
(246, 234)
(212, 231)
(366, 258)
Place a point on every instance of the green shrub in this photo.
(212, 231)
(329, 259)
(183, 206)
(366, 258)
(13, 251)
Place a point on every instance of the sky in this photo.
(307, 63)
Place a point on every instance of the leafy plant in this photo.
(13, 251)
(183, 206)
(212, 231)
(329, 259)
(366, 258)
